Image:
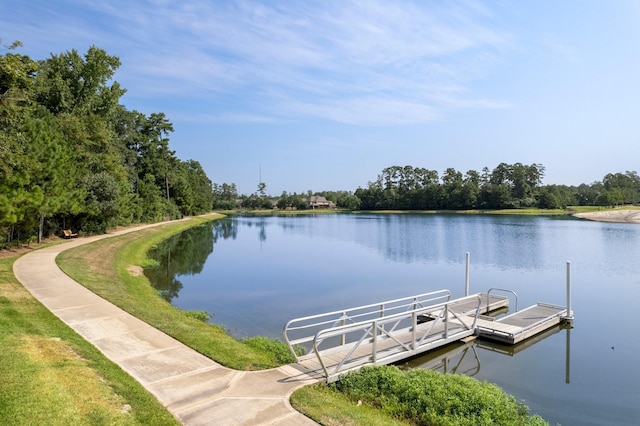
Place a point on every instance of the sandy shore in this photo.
(619, 216)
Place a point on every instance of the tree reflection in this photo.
(182, 254)
(261, 224)
(225, 229)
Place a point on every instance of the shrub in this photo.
(430, 398)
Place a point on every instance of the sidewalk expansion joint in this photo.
(66, 308)
(147, 353)
(187, 374)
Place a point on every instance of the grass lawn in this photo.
(49, 375)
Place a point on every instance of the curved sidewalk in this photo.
(195, 389)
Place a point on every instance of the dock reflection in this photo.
(464, 358)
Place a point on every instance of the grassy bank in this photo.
(524, 211)
(112, 268)
(50, 375)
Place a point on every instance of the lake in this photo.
(256, 273)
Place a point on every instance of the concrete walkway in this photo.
(195, 389)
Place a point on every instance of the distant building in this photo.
(319, 202)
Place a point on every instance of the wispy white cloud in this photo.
(374, 111)
(223, 117)
(357, 62)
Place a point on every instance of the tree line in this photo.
(226, 197)
(507, 186)
(72, 156)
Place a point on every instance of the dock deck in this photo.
(488, 303)
(521, 325)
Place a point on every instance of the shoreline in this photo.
(613, 216)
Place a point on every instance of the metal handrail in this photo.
(355, 315)
(515, 295)
(374, 329)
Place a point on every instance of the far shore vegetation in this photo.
(569, 210)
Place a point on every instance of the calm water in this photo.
(256, 273)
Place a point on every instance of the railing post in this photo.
(342, 323)
(414, 326)
(374, 346)
(466, 278)
(446, 321)
(569, 317)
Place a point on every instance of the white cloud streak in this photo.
(356, 62)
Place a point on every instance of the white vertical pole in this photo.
(466, 279)
(569, 316)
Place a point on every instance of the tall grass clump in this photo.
(426, 397)
(275, 348)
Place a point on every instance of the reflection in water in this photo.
(190, 250)
(224, 229)
(567, 360)
(259, 222)
(463, 358)
(456, 358)
(508, 241)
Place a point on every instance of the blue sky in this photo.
(322, 95)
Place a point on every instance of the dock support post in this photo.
(466, 278)
(567, 367)
(569, 316)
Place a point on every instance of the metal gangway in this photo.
(381, 333)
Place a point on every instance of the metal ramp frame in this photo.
(301, 331)
(384, 339)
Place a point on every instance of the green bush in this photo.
(430, 398)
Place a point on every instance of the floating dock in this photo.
(387, 332)
(515, 328)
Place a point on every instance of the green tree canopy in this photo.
(72, 156)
